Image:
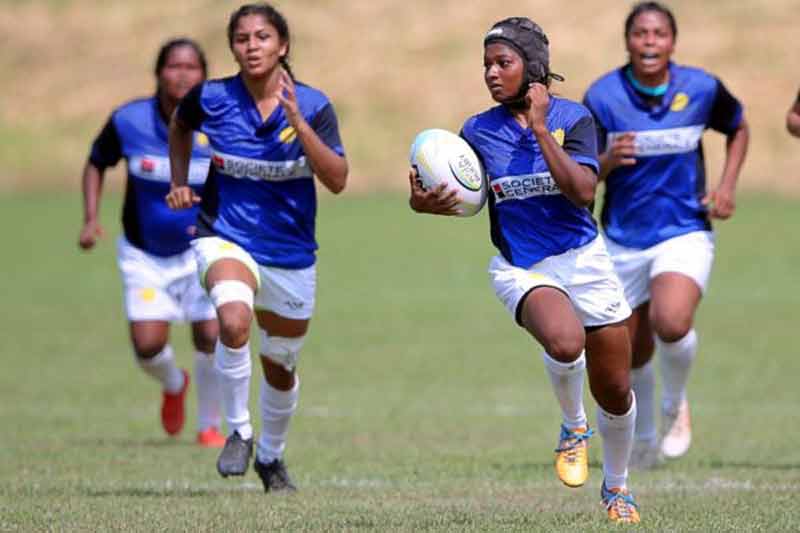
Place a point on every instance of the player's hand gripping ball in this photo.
(440, 156)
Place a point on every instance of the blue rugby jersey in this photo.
(260, 193)
(660, 196)
(530, 218)
(137, 132)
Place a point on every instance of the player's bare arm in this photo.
(92, 184)
(181, 196)
(576, 181)
(621, 152)
(722, 200)
(437, 201)
(329, 167)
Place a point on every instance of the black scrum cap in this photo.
(528, 39)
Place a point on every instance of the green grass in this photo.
(423, 407)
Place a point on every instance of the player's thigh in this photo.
(674, 299)
(287, 293)
(540, 304)
(548, 314)
(285, 303)
(200, 312)
(220, 260)
(230, 276)
(641, 335)
(679, 277)
(632, 267)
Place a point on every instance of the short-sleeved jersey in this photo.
(530, 218)
(659, 197)
(137, 132)
(260, 192)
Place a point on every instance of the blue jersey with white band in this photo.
(530, 218)
(659, 197)
(137, 132)
(260, 192)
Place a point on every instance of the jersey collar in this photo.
(251, 109)
(641, 101)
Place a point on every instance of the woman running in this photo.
(552, 273)
(270, 135)
(651, 114)
(159, 272)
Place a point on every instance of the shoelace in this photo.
(622, 503)
(569, 441)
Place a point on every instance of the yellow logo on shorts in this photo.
(680, 102)
(147, 295)
(541, 279)
(226, 246)
(558, 135)
(287, 135)
(201, 139)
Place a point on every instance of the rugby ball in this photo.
(440, 156)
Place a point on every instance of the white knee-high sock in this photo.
(676, 360)
(617, 432)
(162, 367)
(277, 408)
(567, 381)
(209, 391)
(643, 383)
(234, 367)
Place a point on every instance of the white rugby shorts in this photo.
(289, 293)
(161, 288)
(691, 254)
(586, 275)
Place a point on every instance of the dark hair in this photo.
(644, 7)
(172, 44)
(273, 17)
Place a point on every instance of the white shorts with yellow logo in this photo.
(584, 274)
(161, 288)
(289, 293)
(691, 254)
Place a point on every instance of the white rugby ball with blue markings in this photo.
(440, 156)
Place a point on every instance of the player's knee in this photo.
(233, 300)
(565, 348)
(147, 348)
(204, 339)
(284, 351)
(613, 395)
(673, 328)
(234, 328)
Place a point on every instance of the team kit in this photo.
(219, 230)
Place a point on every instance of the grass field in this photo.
(423, 408)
